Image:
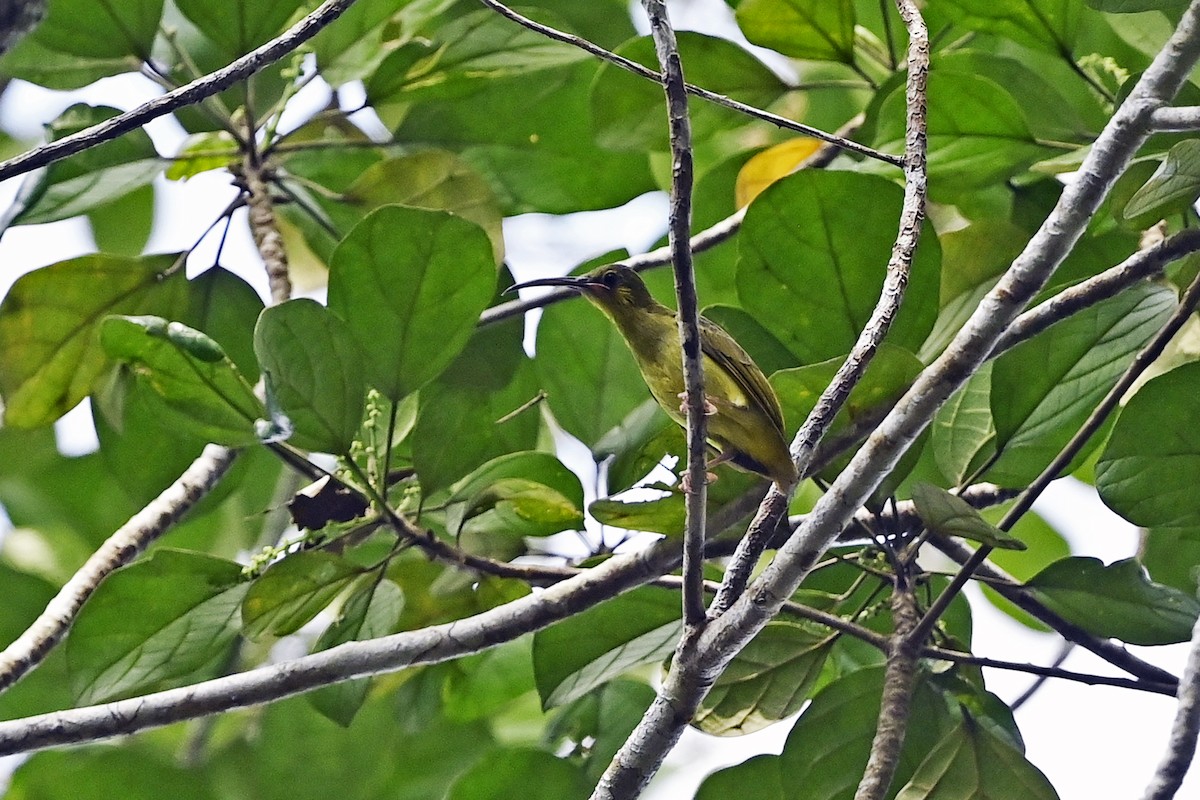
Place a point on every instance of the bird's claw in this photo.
(709, 408)
(686, 484)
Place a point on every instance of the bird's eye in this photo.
(611, 279)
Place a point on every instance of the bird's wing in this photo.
(729, 355)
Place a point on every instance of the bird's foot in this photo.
(686, 484)
(709, 408)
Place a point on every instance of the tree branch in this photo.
(704, 94)
(118, 550)
(186, 95)
(1181, 748)
(264, 227)
(834, 396)
(1179, 120)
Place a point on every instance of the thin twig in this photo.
(1181, 748)
(1035, 687)
(187, 95)
(265, 228)
(119, 549)
(679, 233)
(834, 396)
(1179, 119)
(704, 94)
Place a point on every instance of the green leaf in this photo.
(133, 771)
(804, 29)
(1133, 6)
(1149, 469)
(949, 515)
(963, 432)
(436, 180)
(1172, 556)
(373, 609)
(477, 48)
(293, 591)
(1050, 25)
(411, 284)
(756, 778)
(769, 680)
(589, 375)
(972, 763)
(977, 134)
(1173, 187)
(525, 773)
(517, 495)
(473, 409)
(812, 259)
(480, 686)
(34, 62)
(225, 307)
(197, 385)
(589, 649)
(314, 370)
(1044, 388)
(87, 180)
(238, 26)
(1116, 601)
(122, 226)
(158, 623)
(107, 30)
(628, 110)
(50, 354)
(665, 515)
(887, 377)
(203, 152)
(351, 47)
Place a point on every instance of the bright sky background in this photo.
(1093, 742)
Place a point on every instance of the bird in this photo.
(745, 422)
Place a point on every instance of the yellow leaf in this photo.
(770, 165)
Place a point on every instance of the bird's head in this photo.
(613, 287)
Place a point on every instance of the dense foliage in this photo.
(413, 377)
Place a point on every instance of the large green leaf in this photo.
(589, 649)
(1050, 25)
(154, 624)
(516, 495)
(1149, 470)
(193, 381)
(972, 763)
(411, 284)
(1044, 388)
(293, 591)
(481, 685)
(238, 26)
(1172, 557)
(629, 112)
(977, 134)
(1173, 187)
(50, 354)
(769, 680)
(314, 370)
(1116, 601)
(87, 180)
(963, 432)
(805, 29)
(812, 258)
(109, 29)
(137, 770)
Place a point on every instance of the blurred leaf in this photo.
(314, 370)
(160, 622)
(963, 432)
(294, 590)
(769, 680)
(1172, 557)
(527, 773)
(972, 763)
(80, 28)
(203, 152)
(122, 226)
(585, 651)
(1116, 601)
(50, 354)
(1042, 24)
(137, 770)
(478, 686)
(238, 26)
(198, 387)
(628, 110)
(1173, 187)
(371, 610)
(87, 180)
(1153, 455)
(756, 778)
(1044, 388)
(520, 494)
(411, 284)
(351, 47)
(804, 29)
(950, 515)
(812, 259)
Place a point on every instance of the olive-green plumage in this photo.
(747, 426)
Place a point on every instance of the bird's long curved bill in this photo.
(571, 281)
